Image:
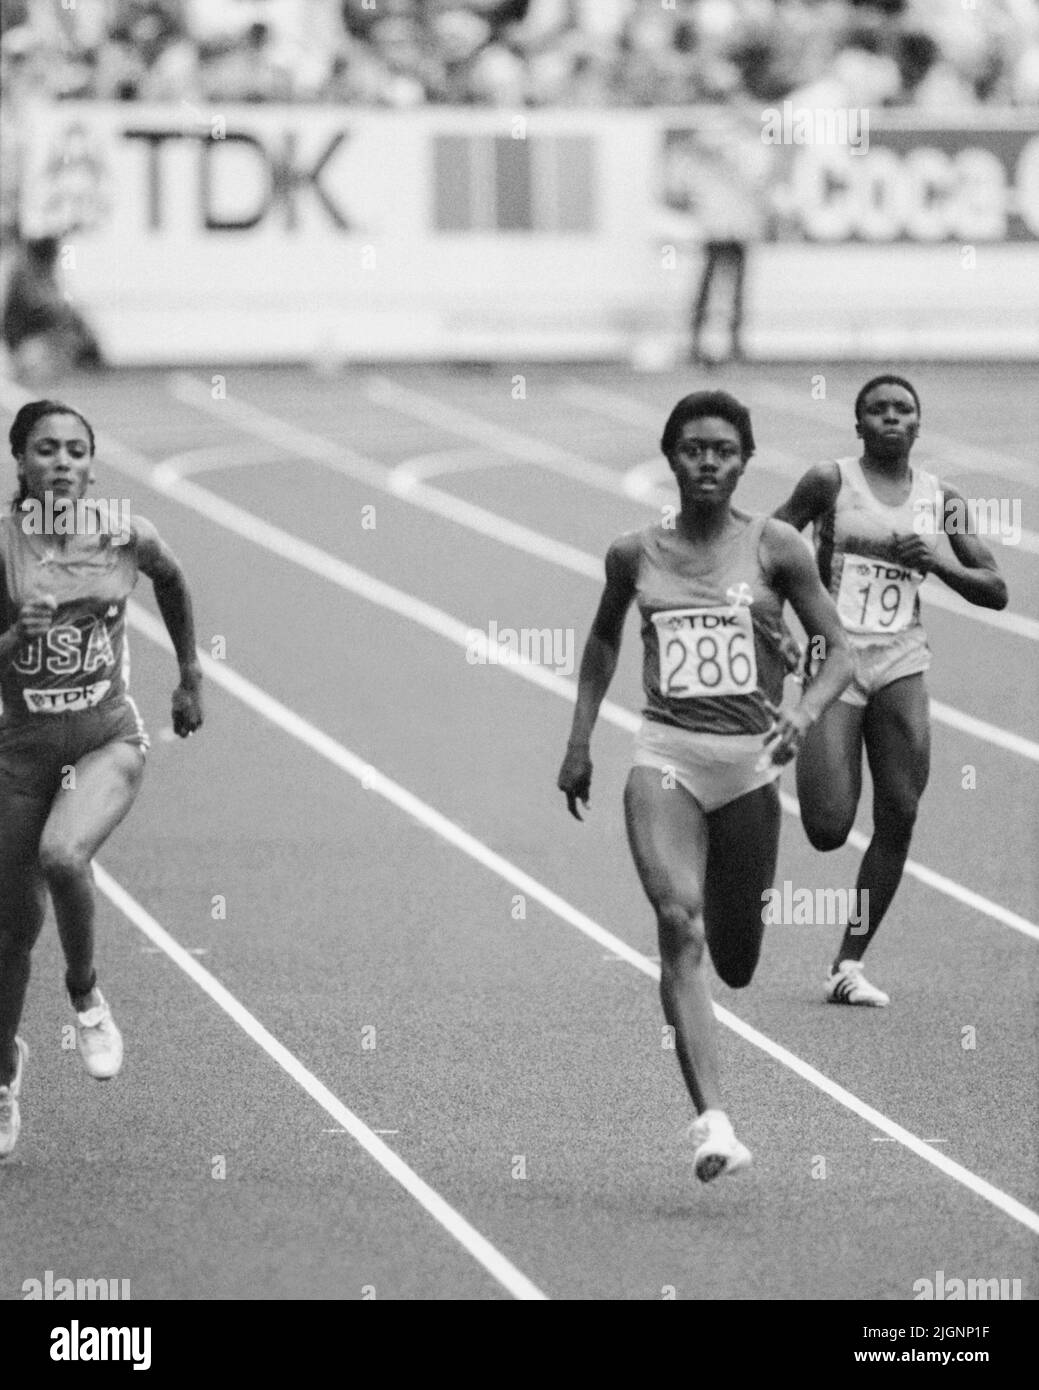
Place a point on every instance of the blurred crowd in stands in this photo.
(742, 55)
(930, 54)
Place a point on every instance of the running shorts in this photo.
(713, 768)
(878, 664)
(36, 750)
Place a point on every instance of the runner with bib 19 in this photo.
(877, 526)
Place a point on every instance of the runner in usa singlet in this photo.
(82, 661)
(72, 744)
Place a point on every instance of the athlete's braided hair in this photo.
(27, 418)
(885, 379)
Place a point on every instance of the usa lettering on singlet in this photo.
(876, 595)
(711, 633)
(82, 661)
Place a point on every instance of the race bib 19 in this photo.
(875, 595)
(706, 651)
(66, 701)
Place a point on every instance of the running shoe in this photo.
(848, 985)
(100, 1041)
(10, 1116)
(717, 1148)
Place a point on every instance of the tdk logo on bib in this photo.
(879, 571)
(706, 621)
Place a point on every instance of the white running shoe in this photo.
(100, 1041)
(10, 1116)
(848, 985)
(717, 1148)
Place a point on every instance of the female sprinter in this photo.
(701, 806)
(72, 744)
(876, 524)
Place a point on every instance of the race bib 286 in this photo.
(706, 651)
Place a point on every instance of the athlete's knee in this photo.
(827, 820)
(735, 951)
(736, 974)
(680, 927)
(827, 835)
(63, 862)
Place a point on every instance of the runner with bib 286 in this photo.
(701, 802)
(877, 526)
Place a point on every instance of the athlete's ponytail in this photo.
(22, 427)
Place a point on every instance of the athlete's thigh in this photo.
(741, 865)
(829, 767)
(667, 831)
(22, 818)
(22, 890)
(86, 812)
(27, 784)
(897, 733)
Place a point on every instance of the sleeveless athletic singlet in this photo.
(83, 660)
(711, 636)
(876, 596)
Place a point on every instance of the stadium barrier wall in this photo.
(287, 233)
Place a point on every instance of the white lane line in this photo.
(500, 529)
(425, 466)
(455, 420)
(948, 886)
(492, 1260)
(372, 780)
(355, 581)
(479, 519)
(407, 401)
(211, 457)
(980, 728)
(396, 482)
